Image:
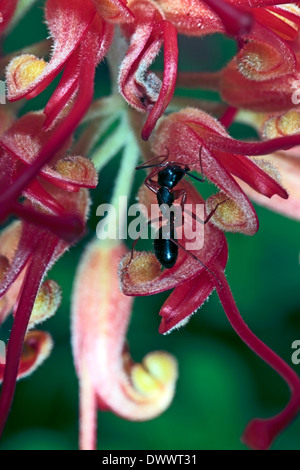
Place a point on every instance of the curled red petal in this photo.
(36, 348)
(169, 78)
(100, 319)
(68, 86)
(67, 125)
(68, 23)
(246, 169)
(141, 88)
(186, 143)
(141, 53)
(188, 297)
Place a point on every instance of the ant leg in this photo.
(207, 219)
(150, 183)
(150, 221)
(197, 178)
(180, 193)
(200, 159)
(202, 180)
(197, 259)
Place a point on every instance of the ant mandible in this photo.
(169, 174)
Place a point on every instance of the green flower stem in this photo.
(22, 8)
(112, 145)
(123, 184)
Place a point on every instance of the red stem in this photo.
(64, 91)
(226, 144)
(88, 409)
(260, 433)
(228, 117)
(68, 227)
(30, 287)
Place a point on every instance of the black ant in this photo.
(169, 174)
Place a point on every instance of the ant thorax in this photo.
(165, 196)
(171, 175)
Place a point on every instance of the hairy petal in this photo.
(68, 86)
(265, 56)
(184, 134)
(191, 17)
(100, 320)
(189, 297)
(36, 349)
(288, 165)
(169, 78)
(115, 11)
(68, 23)
(143, 89)
(141, 53)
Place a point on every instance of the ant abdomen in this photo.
(166, 251)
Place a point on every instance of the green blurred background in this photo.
(222, 385)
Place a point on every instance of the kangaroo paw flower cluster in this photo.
(50, 160)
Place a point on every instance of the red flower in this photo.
(55, 211)
(190, 130)
(21, 144)
(81, 40)
(193, 281)
(286, 163)
(261, 75)
(37, 344)
(109, 379)
(142, 89)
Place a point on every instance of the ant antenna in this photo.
(198, 260)
(145, 166)
(202, 180)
